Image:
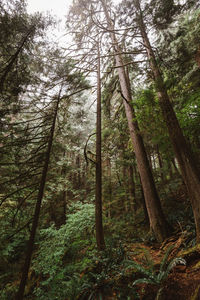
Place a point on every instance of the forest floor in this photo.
(183, 281)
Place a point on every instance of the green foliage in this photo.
(78, 271)
(61, 287)
(8, 292)
(54, 243)
(150, 120)
(59, 257)
(151, 274)
(107, 274)
(182, 44)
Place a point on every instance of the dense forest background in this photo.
(100, 152)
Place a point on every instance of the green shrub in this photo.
(61, 254)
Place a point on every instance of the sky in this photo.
(56, 7)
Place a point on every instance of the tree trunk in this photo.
(63, 196)
(109, 191)
(146, 217)
(158, 222)
(98, 200)
(20, 293)
(186, 159)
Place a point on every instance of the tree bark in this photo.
(63, 196)
(158, 223)
(98, 200)
(109, 175)
(146, 217)
(188, 164)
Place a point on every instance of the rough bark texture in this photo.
(158, 222)
(186, 159)
(146, 216)
(98, 200)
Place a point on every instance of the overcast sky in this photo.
(56, 7)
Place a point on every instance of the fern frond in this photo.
(165, 258)
(91, 295)
(139, 268)
(143, 280)
(162, 275)
(159, 294)
(176, 261)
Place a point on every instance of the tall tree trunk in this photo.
(109, 174)
(188, 164)
(63, 196)
(158, 222)
(98, 200)
(20, 293)
(146, 217)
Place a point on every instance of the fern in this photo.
(140, 269)
(143, 280)
(176, 261)
(156, 277)
(165, 258)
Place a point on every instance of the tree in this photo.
(20, 293)
(98, 201)
(186, 159)
(158, 222)
(88, 38)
